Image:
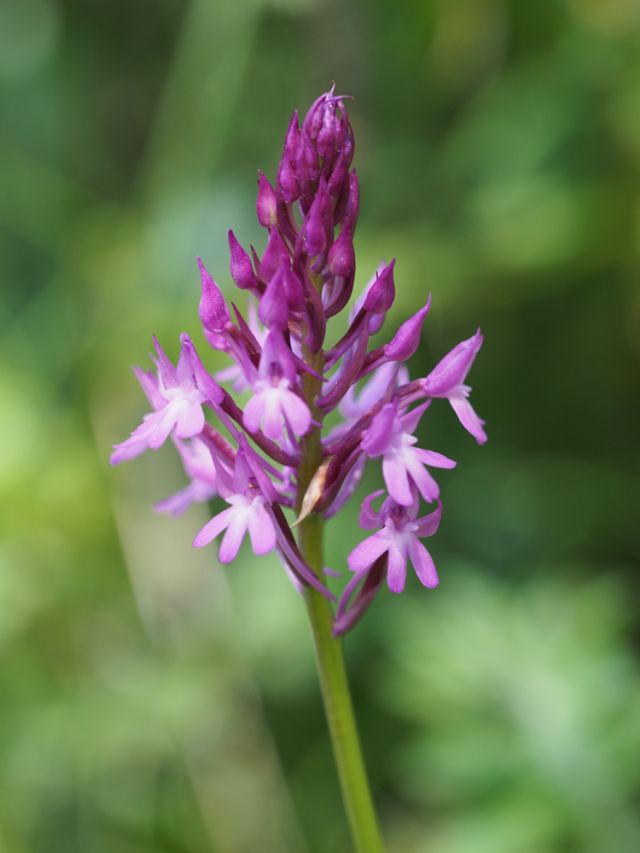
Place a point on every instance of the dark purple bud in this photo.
(266, 203)
(287, 180)
(407, 339)
(212, 308)
(382, 292)
(273, 310)
(315, 227)
(275, 256)
(293, 289)
(328, 135)
(307, 165)
(312, 122)
(353, 199)
(338, 179)
(240, 265)
(341, 259)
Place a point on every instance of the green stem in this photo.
(334, 683)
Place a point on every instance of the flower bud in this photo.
(293, 289)
(315, 229)
(382, 292)
(341, 259)
(266, 203)
(273, 310)
(212, 308)
(407, 339)
(287, 179)
(240, 265)
(275, 255)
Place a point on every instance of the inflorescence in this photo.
(291, 382)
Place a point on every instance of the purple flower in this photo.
(399, 538)
(447, 380)
(274, 405)
(247, 512)
(271, 450)
(177, 401)
(390, 436)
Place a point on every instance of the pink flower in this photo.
(389, 436)
(247, 512)
(398, 538)
(177, 401)
(274, 404)
(447, 380)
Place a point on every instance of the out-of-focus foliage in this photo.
(153, 701)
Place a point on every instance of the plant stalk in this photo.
(334, 683)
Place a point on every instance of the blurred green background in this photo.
(151, 700)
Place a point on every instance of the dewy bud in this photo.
(240, 265)
(341, 259)
(266, 203)
(212, 308)
(382, 292)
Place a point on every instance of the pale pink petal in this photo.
(296, 412)
(427, 486)
(273, 418)
(176, 504)
(435, 459)
(396, 569)
(190, 421)
(428, 524)
(160, 425)
(261, 530)
(367, 552)
(468, 418)
(213, 527)
(232, 539)
(423, 563)
(397, 480)
(253, 413)
(128, 449)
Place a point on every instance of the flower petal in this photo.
(435, 459)
(367, 552)
(397, 480)
(428, 524)
(468, 418)
(423, 563)
(232, 539)
(396, 569)
(190, 421)
(213, 527)
(296, 412)
(261, 530)
(253, 413)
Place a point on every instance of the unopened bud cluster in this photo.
(251, 455)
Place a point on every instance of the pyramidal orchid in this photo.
(268, 455)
